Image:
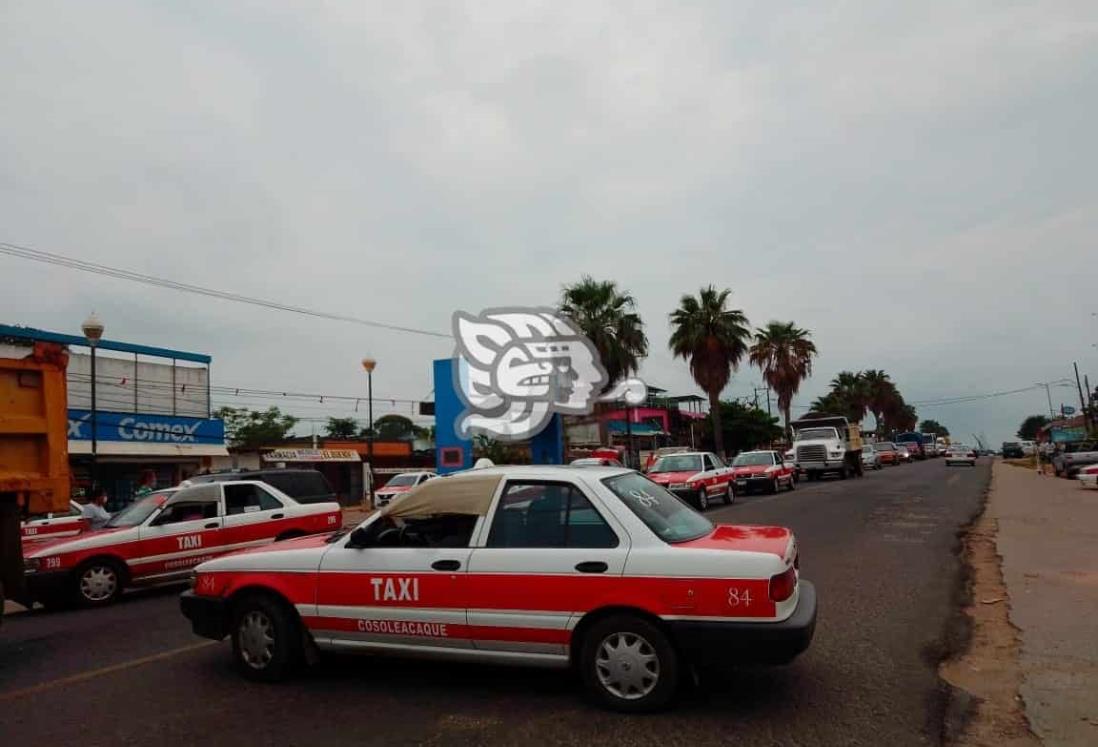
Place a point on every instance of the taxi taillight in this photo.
(783, 585)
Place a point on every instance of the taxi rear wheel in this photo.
(266, 639)
(729, 495)
(627, 664)
(97, 583)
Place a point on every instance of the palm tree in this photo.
(607, 317)
(784, 354)
(850, 388)
(713, 339)
(880, 393)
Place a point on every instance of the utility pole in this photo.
(1079, 385)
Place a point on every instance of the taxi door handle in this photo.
(446, 565)
(211, 525)
(277, 516)
(592, 566)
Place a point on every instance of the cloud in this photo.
(911, 182)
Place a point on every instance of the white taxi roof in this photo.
(471, 492)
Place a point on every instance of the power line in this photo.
(71, 263)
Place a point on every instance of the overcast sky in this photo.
(913, 182)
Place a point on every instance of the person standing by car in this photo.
(94, 512)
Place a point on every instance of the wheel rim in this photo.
(731, 494)
(703, 500)
(98, 583)
(256, 636)
(627, 665)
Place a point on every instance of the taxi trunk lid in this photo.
(747, 538)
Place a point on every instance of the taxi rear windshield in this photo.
(667, 516)
(678, 463)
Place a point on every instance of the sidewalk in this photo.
(1047, 538)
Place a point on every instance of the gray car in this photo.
(870, 458)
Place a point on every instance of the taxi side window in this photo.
(187, 511)
(246, 499)
(548, 514)
(708, 463)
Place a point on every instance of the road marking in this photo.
(93, 673)
(953, 480)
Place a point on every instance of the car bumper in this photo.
(1090, 481)
(725, 644)
(755, 481)
(818, 465)
(209, 616)
(41, 586)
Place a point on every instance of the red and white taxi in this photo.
(1088, 476)
(765, 470)
(699, 477)
(162, 536)
(592, 567)
(55, 525)
(398, 485)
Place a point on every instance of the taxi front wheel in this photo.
(627, 664)
(266, 639)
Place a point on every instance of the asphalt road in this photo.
(881, 551)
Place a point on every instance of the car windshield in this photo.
(887, 446)
(678, 463)
(402, 481)
(667, 516)
(137, 512)
(867, 448)
(753, 458)
(816, 434)
(958, 447)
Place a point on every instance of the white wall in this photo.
(117, 377)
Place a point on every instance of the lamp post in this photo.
(370, 364)
(93, 331)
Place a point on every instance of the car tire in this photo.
(98, 582)
(266, 639)
(792, 484)
(702, 500)
(773, 489)
(627, 664)
(729, 495)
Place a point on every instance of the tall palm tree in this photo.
(608, 318)
(880, 393)
(850, 388)
(784, 354)
(713, 339)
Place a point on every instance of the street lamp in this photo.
(370, 364)
(93, 331)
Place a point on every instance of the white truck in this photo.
(827, 443)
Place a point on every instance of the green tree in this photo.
(1027, 431)
(880, 393)
(713, 339)
(851, 390)
(393, 427)
(745, 427)
(608, 318)
(933, 426)
(341, 428)
(486, 447)
(252, 428)
(784, 355)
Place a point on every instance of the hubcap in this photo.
(627, 665)
(703, 500)
(256, 636)
(98, 583)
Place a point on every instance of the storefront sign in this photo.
(1067, 435)
(145, 428)
(311, 455)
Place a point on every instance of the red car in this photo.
(887, 452)
(698, 477)
(767, 470)
(162, 536)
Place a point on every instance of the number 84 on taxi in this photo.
(595, 568)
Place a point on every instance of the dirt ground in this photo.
(989, 670)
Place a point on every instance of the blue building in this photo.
(154, 421)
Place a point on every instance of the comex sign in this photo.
(114, 426)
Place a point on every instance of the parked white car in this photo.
(400, 484)
(1088, 476)
(870, 458)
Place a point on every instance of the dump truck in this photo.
(827, 443)
(34, 459)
